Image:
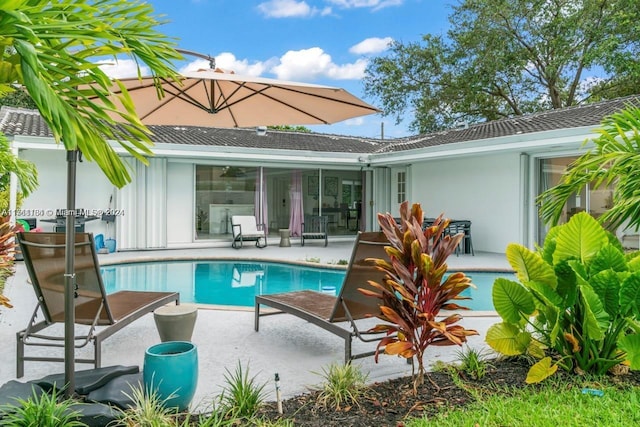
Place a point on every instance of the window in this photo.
(402, 187)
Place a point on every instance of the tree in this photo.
(18, 98)
(510, 57)
(615, 160)
(24, 170)
(53, 49)
(288, 128)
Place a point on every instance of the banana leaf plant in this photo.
(575, 305)
(417, 288)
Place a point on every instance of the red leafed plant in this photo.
(416, 288)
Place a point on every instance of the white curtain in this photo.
(260, 202)
(295, 195)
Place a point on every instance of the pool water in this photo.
(236, 283)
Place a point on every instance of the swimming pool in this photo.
(236, 283)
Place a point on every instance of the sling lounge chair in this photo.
(103, 315)
(338, 314)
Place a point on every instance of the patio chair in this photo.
(245, 228)
(314, 227)
(464, 227)
(102, 314)
(338, 314)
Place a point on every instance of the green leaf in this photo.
(609, 257)
(596, 320)
(541, 371)
(546, 295)
(581, 239)
(567, 284)
(630, 344)
(508, 339)
(630, 295)
(511, 300)
(529, 266)
(606, 285)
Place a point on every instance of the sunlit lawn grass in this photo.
(556, 404)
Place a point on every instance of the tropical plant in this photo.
(42, 410)
(416, 288)
(55, 50)
(242, 395)
(147, 409)
(576, 303)
(614, 161)
(344, 385)
(24, 170)
(473, 362)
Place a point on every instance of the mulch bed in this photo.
(389, 403)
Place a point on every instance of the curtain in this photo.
(295, 195)
(260, 202)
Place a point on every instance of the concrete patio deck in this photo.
(295, 349)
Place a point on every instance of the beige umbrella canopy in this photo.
(214, 98)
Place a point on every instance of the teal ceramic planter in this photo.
(172, 368)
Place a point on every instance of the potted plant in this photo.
(417, 288)
(575, 304)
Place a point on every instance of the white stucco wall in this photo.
(93, 189)
(483, 189)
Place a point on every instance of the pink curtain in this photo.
(295, 194)
(260, 202)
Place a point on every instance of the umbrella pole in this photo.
(69, 276)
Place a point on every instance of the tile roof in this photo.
(565, 118)
(17, 121)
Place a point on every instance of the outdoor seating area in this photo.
(455, 227)
(102, 314)
(285, 344)
(338, 314)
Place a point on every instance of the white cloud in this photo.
(122, 68)
(373, 4)
(228, 62)
(290, 9)
(371, 46)
(313, 63)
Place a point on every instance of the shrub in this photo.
(344, 385)
(242, 396)
(416, 288)
(41, 410)
(577, 299)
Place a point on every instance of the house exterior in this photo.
(487, 173)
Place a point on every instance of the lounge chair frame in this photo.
(103, 314)
(338, 314)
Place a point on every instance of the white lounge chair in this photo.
(244, 228)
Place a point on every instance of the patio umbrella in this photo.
(210, 98)
(214, 98)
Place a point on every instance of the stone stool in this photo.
(176, 322)
(285, 240)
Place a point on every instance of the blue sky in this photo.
(317, 41)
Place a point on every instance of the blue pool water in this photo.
(236, 283)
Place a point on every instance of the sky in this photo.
(328, 42)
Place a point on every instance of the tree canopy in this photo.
(54, 50)
(503, 58)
